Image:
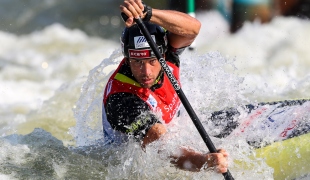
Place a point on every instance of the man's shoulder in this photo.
(172, 54)
(123, 101)
(125, 69)
(123, 97)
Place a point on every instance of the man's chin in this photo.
(146, 85)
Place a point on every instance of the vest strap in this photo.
(122, 78)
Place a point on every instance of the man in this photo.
(139, 90)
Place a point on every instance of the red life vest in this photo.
(164, 99)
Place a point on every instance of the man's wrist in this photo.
(208, 162)
(148, 12)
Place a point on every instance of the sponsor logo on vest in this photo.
(140, 121)
(173, 106)
(152, 101)
(171, 77)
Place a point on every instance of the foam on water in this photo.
(272, 57)
(52, 56)
(40, 70)
(53, 80)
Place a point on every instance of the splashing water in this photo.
(52, 83)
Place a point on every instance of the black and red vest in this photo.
(162, 100)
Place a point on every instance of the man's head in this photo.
(142, 61)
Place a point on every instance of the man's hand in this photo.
(133, 9)
(218, 160)
(192, 160)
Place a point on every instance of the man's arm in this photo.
(182, 27)
(154, 133)
(191, 160)
(123, 118)
(186, 158)
(129, 114)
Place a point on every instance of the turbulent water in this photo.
(52, 82)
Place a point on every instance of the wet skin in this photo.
(145, 70)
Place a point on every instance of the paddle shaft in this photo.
(180, 93)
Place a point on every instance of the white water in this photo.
(54, 79)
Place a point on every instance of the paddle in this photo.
(178, 90)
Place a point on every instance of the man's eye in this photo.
(153, 61)
(137, 61)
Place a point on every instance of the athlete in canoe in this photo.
(139, 90)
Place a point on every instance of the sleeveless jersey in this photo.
(163, 100)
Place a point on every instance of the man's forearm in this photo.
(188, 160)
(176, 22)
(191, 160)
(182, 27)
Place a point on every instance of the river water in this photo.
(52, 80)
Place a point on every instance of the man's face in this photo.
(145, 70)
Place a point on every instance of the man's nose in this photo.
(146, 68)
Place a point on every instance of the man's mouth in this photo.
(147, 80)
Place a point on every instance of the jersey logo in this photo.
(152, 101)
